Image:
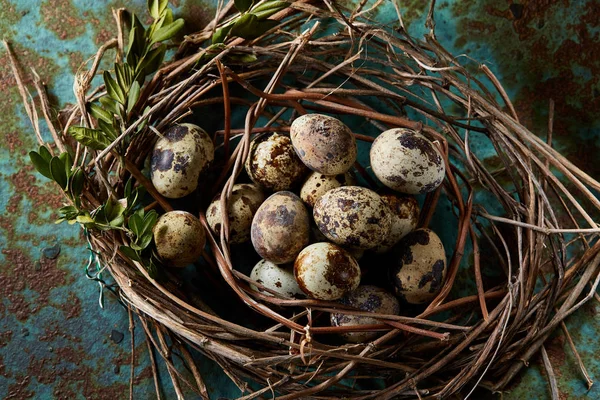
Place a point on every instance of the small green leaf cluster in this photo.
(252, 22)
(140, 225)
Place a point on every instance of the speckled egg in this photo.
(317, 184)
(323, 143)
(273, 164)
(405, 216)
(179, 157)
(280, 228)
(179, 237)
(325, 271)
(353, 216)
(370, 299)
(420, 269)
(406, 161)
(243, 203)
(279, 278)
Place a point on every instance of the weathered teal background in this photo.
(55, 342)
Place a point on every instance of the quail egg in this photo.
(279, 278)
(325, 271)
(406, 161)
(353, 216)
(179, 237)
(405, 216)
(420, 267)
(370, 299)
(243, 203)
(273, 164)
(280, 228)
(317, 184)
(323, 143)
(178, 159)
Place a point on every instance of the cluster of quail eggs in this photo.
(317, 222)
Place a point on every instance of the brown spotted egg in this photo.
(280, 228)
(179, 157)
(353, 216)
(243, 203)
(179, 237)
(420, 267)
(278, 278)
(405, 216)
(323, 143)
(273, 164)
(370, 299)
(317, 184)
(406, 161)
(325, 271)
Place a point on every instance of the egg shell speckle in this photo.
(317, 184)
(280, 228)
(323, 143)
(273, 164)
(420, 268)
(245, 199)
(178, 159)
(406, 161)
(279, 278)
(405, 216)
(326, 271)
(370, 299)
(353, 216)
(179, 237)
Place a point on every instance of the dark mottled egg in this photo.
(243, 203)
(420, 267)
(405, 216)
(279, 278)
(179, 237)
(325, 271)
(280, 228)
(178, 159)
(353, 216)
(323, 143)
(406, 161)
(317, 184)
(273, 164)
(370, 299)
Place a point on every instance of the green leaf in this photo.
(100, 113)
(41, 165)
(114, 211)
(220, 34)
(168, 15)
(144, 241)
(93, 138)
(84, 219)
(45, 153)
(265, 10)
(133, 96)
(137, 40)
(152, 61)
(250, 27)
(77, 182)
(135, 223)
(157, 7)
(149, 222)
(57, 169)
(124, 75)
(128, 189)
(243, 5)
(130, 253)
(109, 104)
(113, 89)
(244, 58)
(168, 31)
(67, 161)
(109, 130)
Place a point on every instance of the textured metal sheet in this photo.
(55, 342)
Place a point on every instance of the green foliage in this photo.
(243, 5)
(95, 139)
(252, 22)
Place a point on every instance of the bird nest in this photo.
(520, 222)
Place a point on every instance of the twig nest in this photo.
(326, 271)
(317, 184)
(353, 216)
(278, 278)
(370, 299)
(273, 164)
(405, 216)
(179, 238)
(242, 205)
(406, 161)
(420, 269)
(280, 228)
(178, 159)
(323, 143)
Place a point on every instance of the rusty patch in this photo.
(62, 17)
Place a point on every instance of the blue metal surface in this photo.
(56, 342)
